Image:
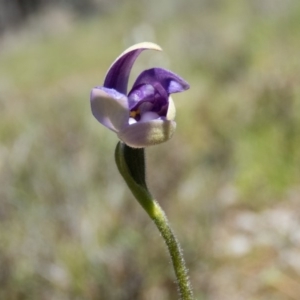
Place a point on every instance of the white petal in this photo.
(148, 116)
(171, 110)
(143, 45)
(112, 112)
(132, 121)
(143, 134)
(118, 73)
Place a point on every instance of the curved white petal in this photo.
(118, 73)
(171, 113)
(142, 45)
(143, 134)
(112, 112)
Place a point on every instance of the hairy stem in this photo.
(131, 164)
(161, 221)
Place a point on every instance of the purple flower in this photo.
(144, 116)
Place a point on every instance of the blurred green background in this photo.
(229, 179)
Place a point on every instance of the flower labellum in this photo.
(144, 116)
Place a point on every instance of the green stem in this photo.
(131, 165)
(158, 216)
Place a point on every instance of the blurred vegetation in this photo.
(229, 179)
(13, 13)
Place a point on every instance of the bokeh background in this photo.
(229, 179)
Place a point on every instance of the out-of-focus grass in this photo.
(229, 179)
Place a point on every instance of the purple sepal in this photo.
(159, 77)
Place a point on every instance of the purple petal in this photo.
(118, 73)
(148, 133)
(146, 93)
(158, 77)
(110, 108)
(157, 97)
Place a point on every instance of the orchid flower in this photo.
(144, 116)
(141, 118)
